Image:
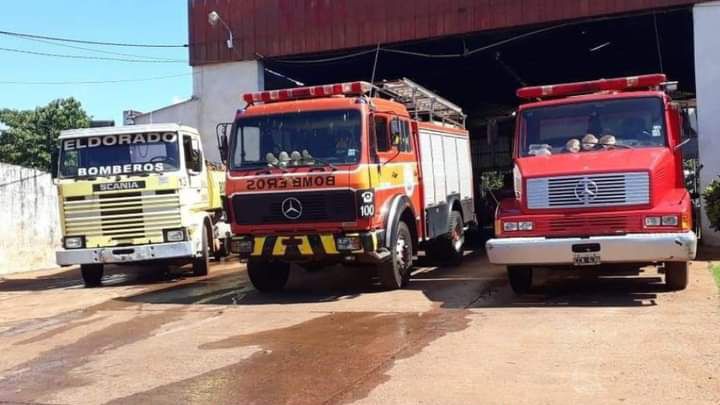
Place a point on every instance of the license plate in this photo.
(587, 259)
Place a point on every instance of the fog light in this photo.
(348, 243)
(525, 226)
(653, 221)
(74, 242)
(240, 246)
(510, 226)
(174, 235)
(670, 220)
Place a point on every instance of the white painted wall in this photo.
(29, 224)
(707, 81)
(217, 95)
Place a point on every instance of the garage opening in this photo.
(481, 72)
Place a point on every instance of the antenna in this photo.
(372, 78)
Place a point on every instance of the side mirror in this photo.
(395, 131)
(689, 123)
(222, 139)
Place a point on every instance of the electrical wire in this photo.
(93, 82)
(88, 57)
(54, 43)
(87, 42)
(657, 43)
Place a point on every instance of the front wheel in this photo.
(395, 273)
(676, 275)
(268, 276)
(201, 263)
(92, 274)
(520, 278)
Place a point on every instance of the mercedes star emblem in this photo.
(586, 190)
(291, 208)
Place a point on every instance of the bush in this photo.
(711, 196)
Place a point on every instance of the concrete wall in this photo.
(707, 79)
(217, 95)
(29, 224)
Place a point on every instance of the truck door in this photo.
(398, 164)
(196, 171)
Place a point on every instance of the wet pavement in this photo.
(455, 335)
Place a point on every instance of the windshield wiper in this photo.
(324, 163)
(616, 144)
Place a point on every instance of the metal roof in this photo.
(274, 28)
(128, 129)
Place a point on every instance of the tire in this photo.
(92, 274)
(520, 278)
(268, 277)
(449, 247)
(395, 273)
(201, 264)
(676, 275)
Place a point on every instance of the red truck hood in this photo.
(618, 160)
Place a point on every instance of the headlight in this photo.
(670, 220)
(74, 242)
(510, 226)
(653, 221)
(241, 245)
(348, 243)
(525, 226)
(174, 235)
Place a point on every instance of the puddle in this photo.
(332, 358)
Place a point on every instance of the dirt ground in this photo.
(455, 336)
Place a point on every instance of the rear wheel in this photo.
(201, 263)
(676, 275)
(268, 276)
(92, 274)
(449, 247)
(395, 273)
(520, 278)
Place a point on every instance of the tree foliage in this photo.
(711, 195)
(30, 138)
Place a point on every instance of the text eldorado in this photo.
(124, 139)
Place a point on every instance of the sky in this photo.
(126, 21)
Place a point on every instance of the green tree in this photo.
(30, 138)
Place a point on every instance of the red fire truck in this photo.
(598, 179)
(350, 173)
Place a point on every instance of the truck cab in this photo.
(137, 194)
(345, 173)
(598, 179)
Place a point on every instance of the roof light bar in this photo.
(350, 88)
(570, 89)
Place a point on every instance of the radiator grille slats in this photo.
(122, 217)
(323, 206)
(601, 190)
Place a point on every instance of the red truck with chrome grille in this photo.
(598, 179)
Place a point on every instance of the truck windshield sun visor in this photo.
(111, 155)
(310, 138)
(594, 125)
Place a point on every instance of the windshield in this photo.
(298, 139)
(596, 125)
(119, 154)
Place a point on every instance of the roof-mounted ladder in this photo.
(422, 103)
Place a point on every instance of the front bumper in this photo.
(631, 248)
(313, 247)
(125, 254)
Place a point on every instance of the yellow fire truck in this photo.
(138, 194)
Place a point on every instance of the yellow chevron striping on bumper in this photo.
(328, 242)
(258, 246)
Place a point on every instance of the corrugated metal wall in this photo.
(291, 27)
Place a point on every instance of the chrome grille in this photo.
(122, 216)
(600, 190)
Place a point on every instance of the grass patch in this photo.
(715, 269)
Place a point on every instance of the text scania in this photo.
(121, 169)
(297, 182)
(112, 140)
